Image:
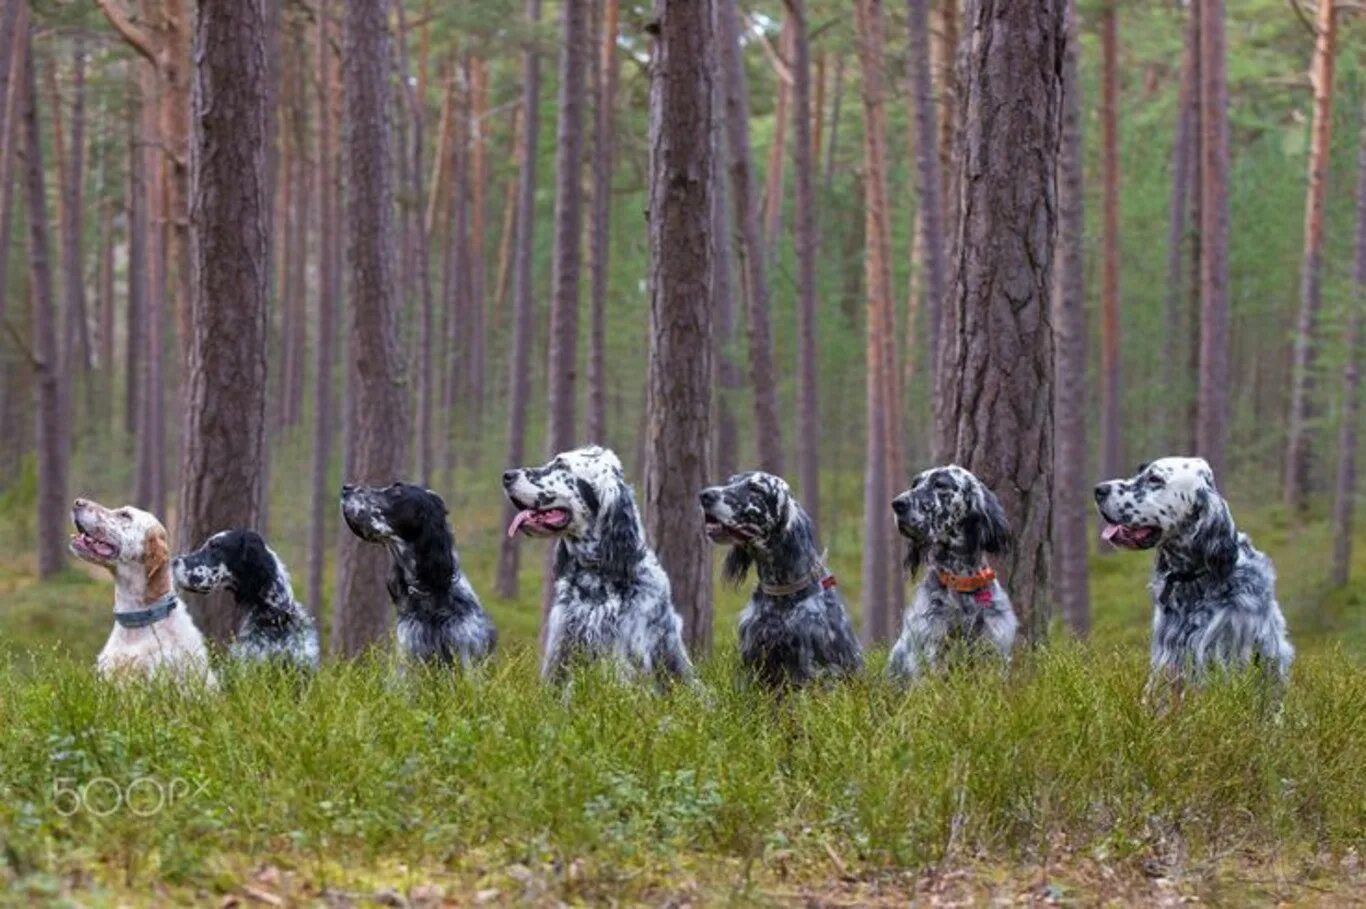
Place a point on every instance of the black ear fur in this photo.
(915, 555)
(987, 527)
(737, 564)
(620, 544)
(254, 569)
(432, 549)
(1215, 540)
(590, 495)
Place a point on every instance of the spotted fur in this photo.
(795, 627)
(132, 545)
(1213, 593)
(951, 521)
(440, 619)
(273, 627)
(612, 599)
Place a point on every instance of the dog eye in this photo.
(1156, 482)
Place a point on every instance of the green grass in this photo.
(1052, 782)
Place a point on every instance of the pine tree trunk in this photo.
(599, 246)
(478, 305)
(1212, 422)
(70, 160)
(878, 620)
(763, 384)
(1174, 340)
(13, 42)
(564, 280)
(1344, 500)
(804, 236)
(678, 432)
(1001, 409)
(1303, 412)
(929, 180)
(774, 176)
(726, 454)
(520, 363)
(138, 259)
(321, 506)
(1195, 281)
(54, 440)
(224, 430)
(944, 50)
(379, 408)
(1071, 499)
(297, 297)
(827, 181)
(502, 282)
(150, 437)
(1111, 456)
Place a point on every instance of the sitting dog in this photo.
(795, 627)
(153, 633)
(612, 600)
(951, 521)
(274, 627)
(440, 619)
(1213, 594)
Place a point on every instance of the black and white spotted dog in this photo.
(795, 627)
(440, 620)
(612, 599)
(951, 522)
(274, 626)
(1213, 594)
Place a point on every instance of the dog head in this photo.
(1170, 502)
(128, 541)
(581, 496)
(751, 514)
(237, 560)
(949, 508)
(411, 521)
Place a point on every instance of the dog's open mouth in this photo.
(537, 522)
(1129, 536)
(719, 531)
(86, 546)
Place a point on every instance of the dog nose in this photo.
(901, 505)
(1102, 490)
(708, 497)
(509, 477)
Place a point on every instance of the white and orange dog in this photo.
(153, 633)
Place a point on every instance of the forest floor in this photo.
(1051, 785)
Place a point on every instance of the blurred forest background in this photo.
(516, 172)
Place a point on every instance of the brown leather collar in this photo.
(967, 583)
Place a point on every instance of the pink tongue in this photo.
(521, 518)
(1109, 532)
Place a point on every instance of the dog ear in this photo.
(736, 566)
(915, 554)
(1214, 538)
(253, 574)
(988, 527)
(156, 562)
(433, 554)
(619, 538)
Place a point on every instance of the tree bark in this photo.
(1111, 457)
(520, 362)
(13, 43)
(1344, 501)
(329, 284)
(725, 451)
(678, 432)
(804, 237)
(224, 429)
(1213, 404)
(138, 259)
(379, 418)
(773, 176)
(502, 282)
(878, 621)
(297, 296)
(929, 180)
(54, 439)
(763, 384)
(564, 279)
(1001, 407)
(1303, 412)
(1071, 499)
(599, 246)
(70, 158)
(1174, 340)
(478, 203)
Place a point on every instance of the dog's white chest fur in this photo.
(172, 646)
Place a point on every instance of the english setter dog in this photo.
(153, 633)
(274, 627)
(951, 521)
(612, 600)
(1213, 594)
(795, 627)
(440, 619)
